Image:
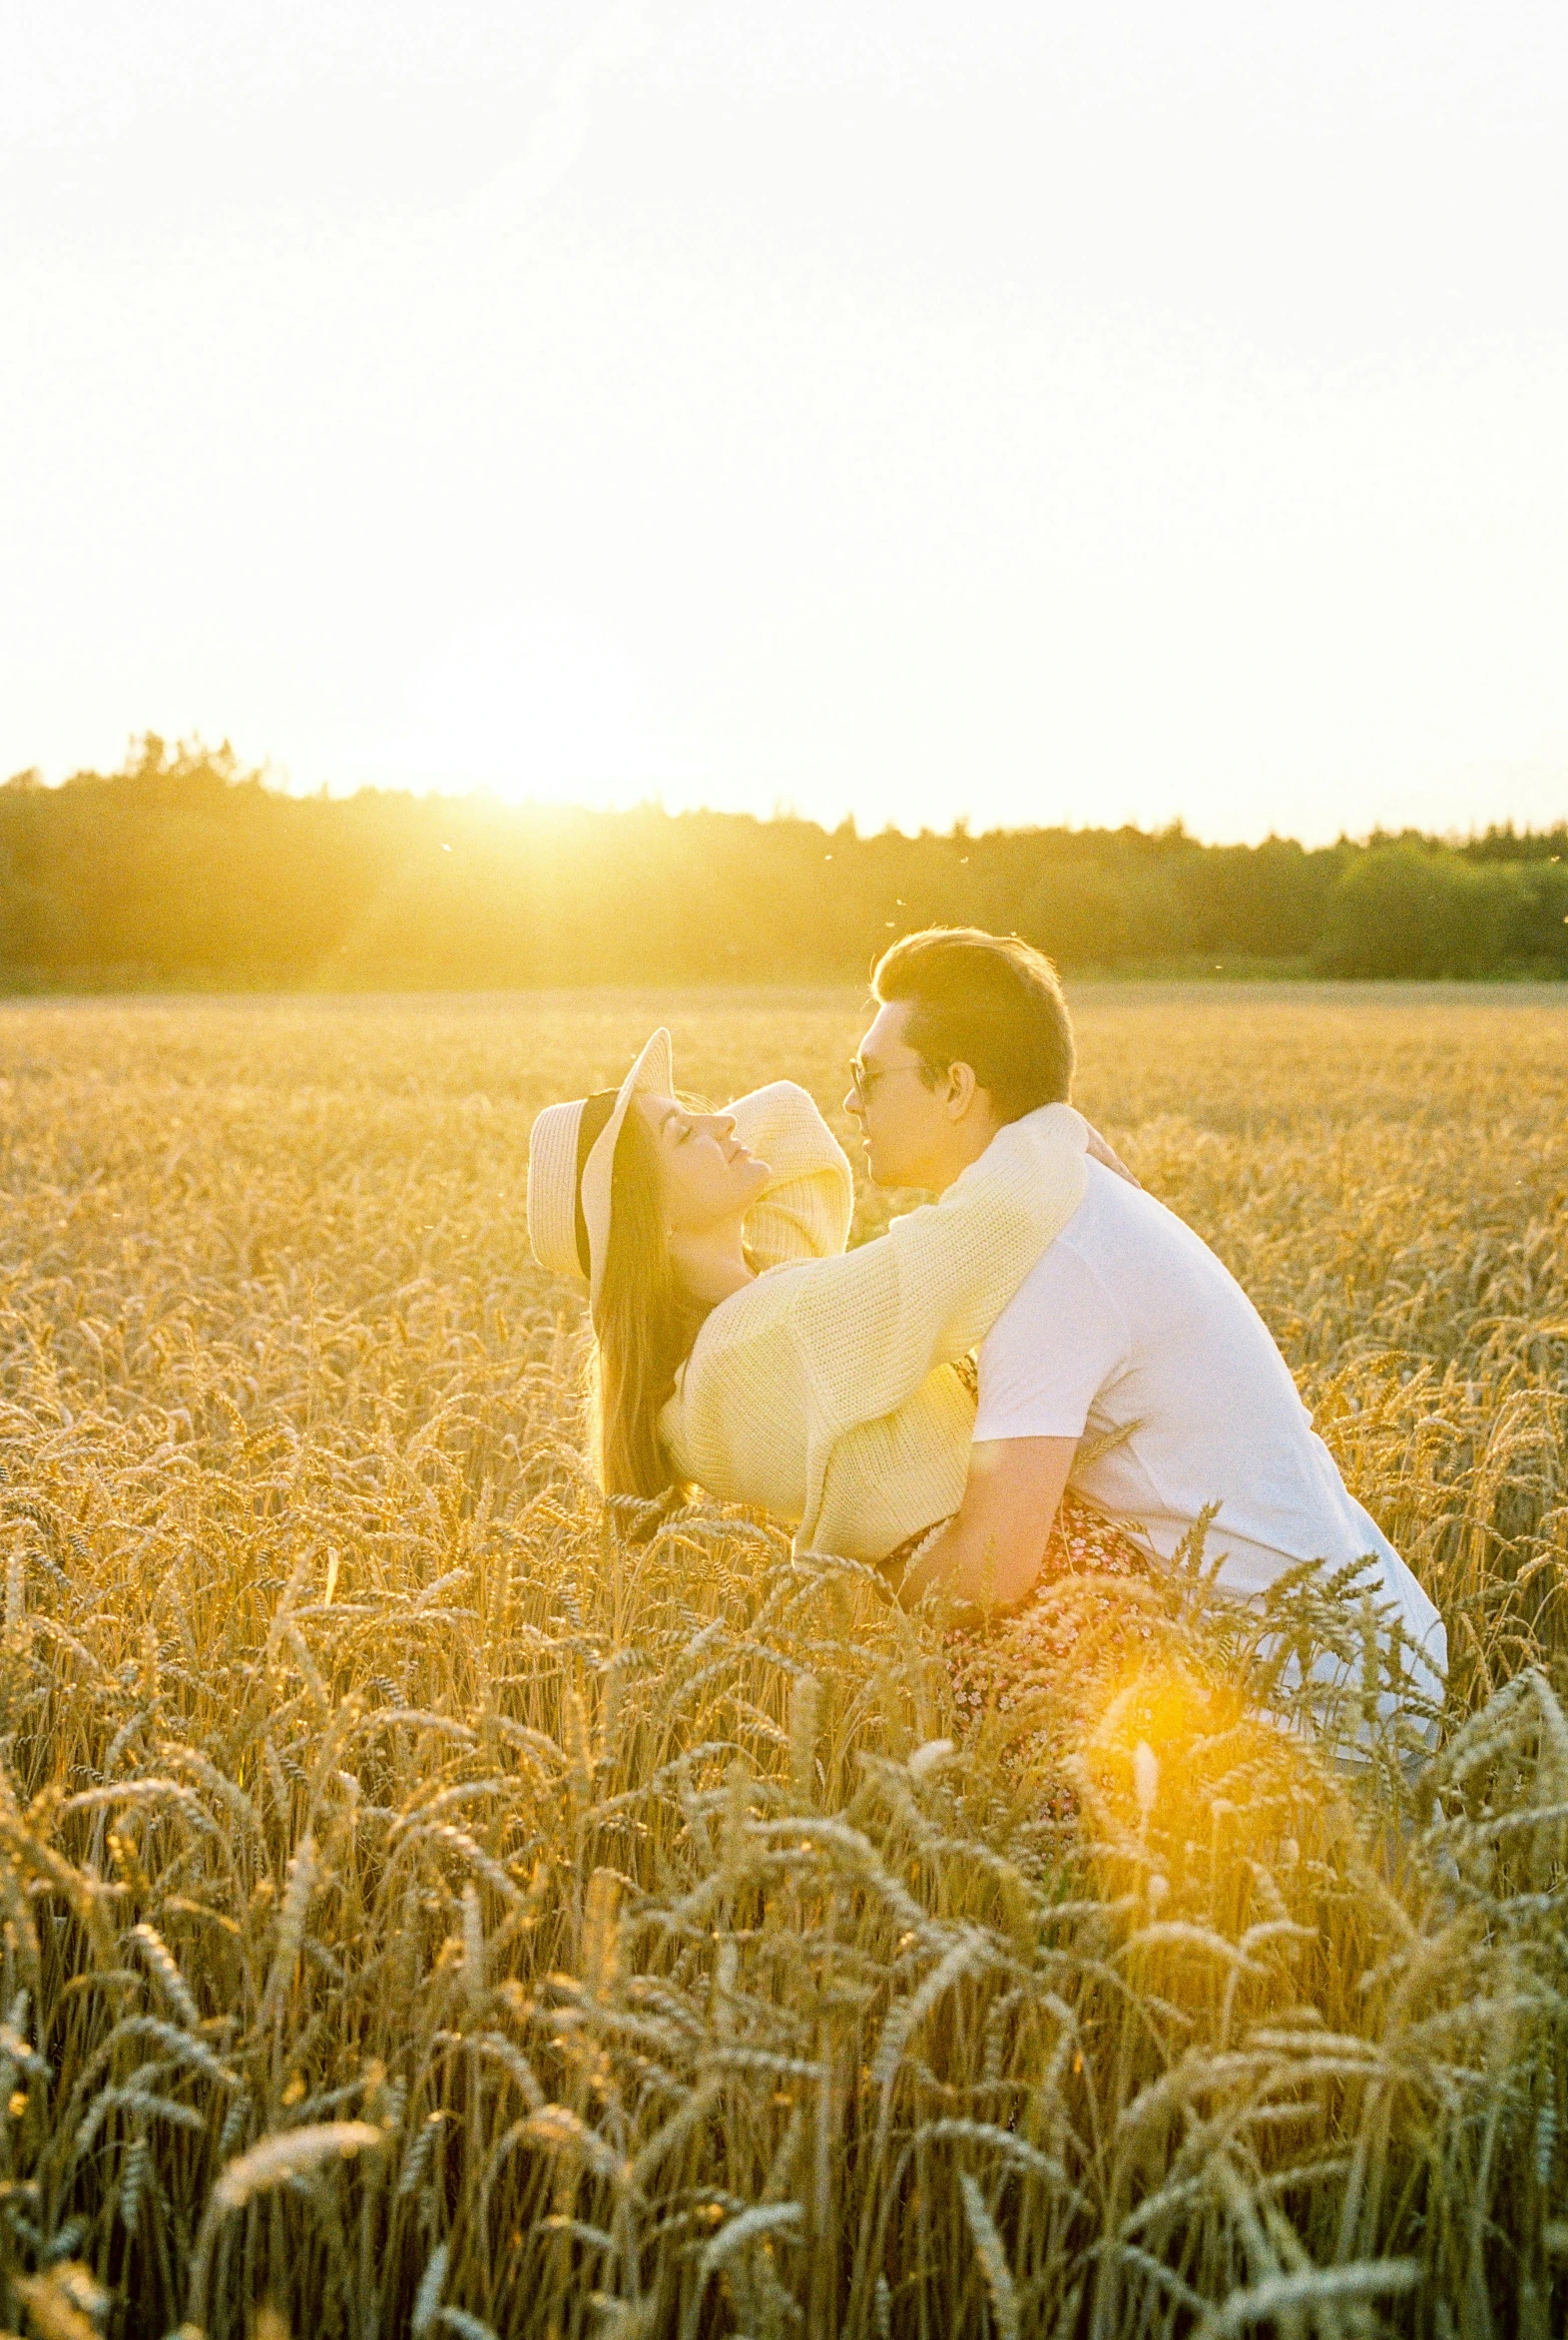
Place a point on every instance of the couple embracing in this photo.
(1045, 1329)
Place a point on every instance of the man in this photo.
(1128, 1331)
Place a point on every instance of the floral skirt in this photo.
(1041, 1669)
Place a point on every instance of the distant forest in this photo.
(184, 871)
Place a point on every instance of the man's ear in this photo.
(959, 1092)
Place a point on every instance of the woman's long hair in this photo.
(644, 1327)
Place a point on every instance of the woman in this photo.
(738, 1344)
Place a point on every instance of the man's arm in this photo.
(990, 1552)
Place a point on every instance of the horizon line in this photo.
(275, 780)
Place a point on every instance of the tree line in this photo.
(185, 869)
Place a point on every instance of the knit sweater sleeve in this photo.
(823, 1346)
(868, 1328)
(804, 1210)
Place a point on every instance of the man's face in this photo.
(904, 1125)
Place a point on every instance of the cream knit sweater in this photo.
(827, 1391)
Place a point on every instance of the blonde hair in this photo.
(644, 1326)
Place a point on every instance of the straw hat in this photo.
(571, 1166)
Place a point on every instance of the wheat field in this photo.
(435, 1903)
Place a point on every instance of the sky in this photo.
(1086, 410)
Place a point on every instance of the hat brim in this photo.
(653, 1074)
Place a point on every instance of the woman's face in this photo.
(705, 1173)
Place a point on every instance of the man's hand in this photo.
(990, 1552)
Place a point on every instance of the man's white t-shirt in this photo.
(1128, 1323)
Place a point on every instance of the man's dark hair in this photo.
(987, 1000)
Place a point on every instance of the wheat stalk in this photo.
(639, 1887)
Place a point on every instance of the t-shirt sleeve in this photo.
(1050, 1352)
